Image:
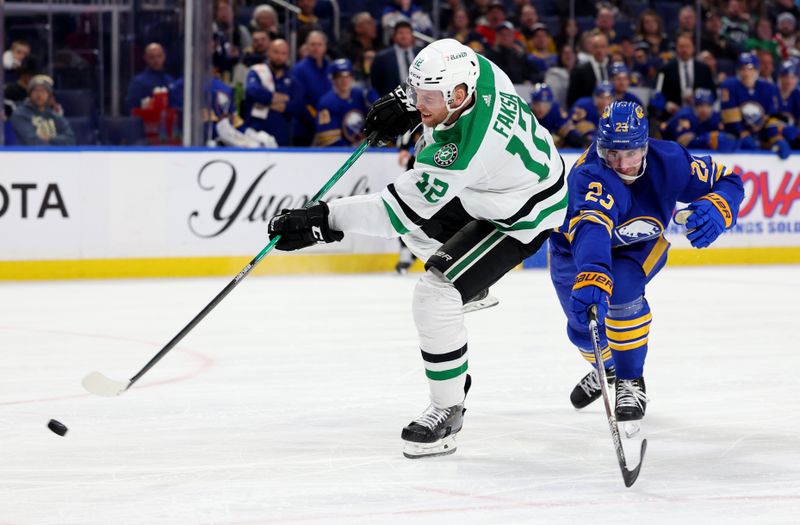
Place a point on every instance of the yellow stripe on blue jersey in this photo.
(592, 216)
(659, 248)
(623, 347)
(326, 138)
(731, 115)
(628, 334)
(582, 158)
(627, 324)
(589, 356)
(720, 170)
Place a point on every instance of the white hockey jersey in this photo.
(496, 158)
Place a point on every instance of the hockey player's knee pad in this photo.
(437, 313)
(628, 329)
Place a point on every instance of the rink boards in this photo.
(86, 213)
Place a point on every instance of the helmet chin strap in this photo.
(627, 178)
(452, 111)
(631, 178)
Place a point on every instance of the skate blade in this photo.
(631, 428)
(443, 447)
(483, 304)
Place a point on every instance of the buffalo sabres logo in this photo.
(606, 112)
(446, 155)
(753, 114)
(637, 230)
(639, 112)
(352, 124)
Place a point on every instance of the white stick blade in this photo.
(100, 385)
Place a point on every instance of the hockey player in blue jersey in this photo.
(621, 80)
(550, 114)
(622, 194)
(342, 110)
(750, 107)
(789, 99)
(586, 111)
(699, 127)
(789, 94)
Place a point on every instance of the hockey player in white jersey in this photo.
(486, 189)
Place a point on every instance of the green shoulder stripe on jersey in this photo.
(397, 224)
(530, 225)
(468, 131)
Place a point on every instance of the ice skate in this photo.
(631, 404)
(588, 389)
(481, 301)
(433, 433)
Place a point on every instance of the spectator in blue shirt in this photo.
(272, 97)
(789, 93)
(152, 77)
(342, 110)
(311, 76)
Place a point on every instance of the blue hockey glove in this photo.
(302, 227)
(790, 132)
(711, 215)
(590, 288)
(658, 102)
(748, 143)
(726, 142)
(782, 148)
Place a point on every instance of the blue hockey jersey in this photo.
(585, 117)
(561, 127)
(340, 121)
(606, 214)
(685, 128)
(790, 107)
(747, 111)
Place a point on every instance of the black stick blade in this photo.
(630, 476)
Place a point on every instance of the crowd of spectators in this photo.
(722, 77)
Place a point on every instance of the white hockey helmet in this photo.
(442, 66)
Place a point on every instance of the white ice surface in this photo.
(285, 406)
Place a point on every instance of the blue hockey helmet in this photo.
(703, 96)
(542, 93)
(747, 60)
(618, 68)
(622, 126)
(340, 65)
(603, 88)
(788, 67)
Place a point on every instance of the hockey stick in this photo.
(628, 476)
(101, 385)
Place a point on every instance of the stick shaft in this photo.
(629, 477)
(246, 270)
(601, 375)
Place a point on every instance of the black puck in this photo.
(57, 427)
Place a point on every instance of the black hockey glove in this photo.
(302, 227)
(390, 116)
